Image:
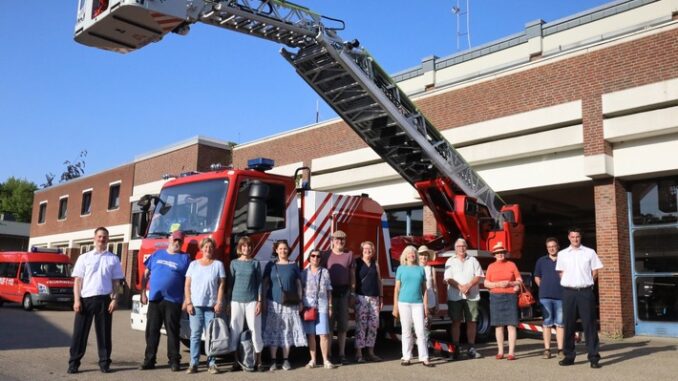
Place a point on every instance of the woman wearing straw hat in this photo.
(503, 279)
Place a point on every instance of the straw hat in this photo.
(499, 248)
(425, 249)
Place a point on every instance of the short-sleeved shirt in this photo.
(366, 279)
(168, 275)
(97, 270)
(245, 280)
(339, 266)
(501, 271)
(287, 275)
(549, 287)
(205, 282)
(314, 297)
(411, 279)
(577, 265)
(462, 272)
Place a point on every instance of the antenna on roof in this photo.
(465, 29)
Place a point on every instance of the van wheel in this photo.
(27, 302)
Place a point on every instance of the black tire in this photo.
(27, 302)
(484, 329)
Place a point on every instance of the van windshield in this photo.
(50, 270)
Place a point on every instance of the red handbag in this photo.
(525, 298)
(309, 314)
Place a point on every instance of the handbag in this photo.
(311, 313)
(525, 298)
(289, 298)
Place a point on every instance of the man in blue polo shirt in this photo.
(550, 296)
(167, 271)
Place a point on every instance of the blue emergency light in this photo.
(260, 164)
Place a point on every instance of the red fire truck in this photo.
(229, 203)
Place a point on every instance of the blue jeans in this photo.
(552, 309)
(198, 322)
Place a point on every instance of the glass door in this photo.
(653, 220)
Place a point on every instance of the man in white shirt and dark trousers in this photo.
(97, 274)
(578, 267)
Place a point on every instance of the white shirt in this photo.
(97, 270)
(577, 265)
(462, 273)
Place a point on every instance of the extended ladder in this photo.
(356, 87)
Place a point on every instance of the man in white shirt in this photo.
(97, 274)
(462, 275)
(578, 267)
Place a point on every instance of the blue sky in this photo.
(58, 97)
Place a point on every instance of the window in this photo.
(114, 196)
(85, 247)
(98, 6)
(63, 208)
(408, 221)
(42, 212)
(9, 269)
(115, 247)
(655, 202)
(275, 208)
(86, 207)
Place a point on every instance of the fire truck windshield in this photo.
(193, 208)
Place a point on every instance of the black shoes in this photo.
(175, 367)
(566, 362)
(105, 369)
(72, 369)
(595, 365)
(146, 365)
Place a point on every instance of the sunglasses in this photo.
(314, 256)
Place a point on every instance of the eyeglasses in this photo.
(314, 256)
(340, 238)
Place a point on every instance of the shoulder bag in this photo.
(289, 298)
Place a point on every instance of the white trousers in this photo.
(241, 312)
(412, 316)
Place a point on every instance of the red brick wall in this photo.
(100, 215)
(612, 235)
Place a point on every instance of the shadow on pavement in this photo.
(29, 330)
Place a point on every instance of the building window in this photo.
(63, 208)
(42, 212)
(114, 196)
(86, 207)
(115, 247)
(85, 247)
(409, 221)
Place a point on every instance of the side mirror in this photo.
(256, 208)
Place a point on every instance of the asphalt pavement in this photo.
(34, 346)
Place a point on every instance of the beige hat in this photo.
(425, 249)
(338, 234)
(499, 248)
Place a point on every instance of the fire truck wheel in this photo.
(27, 302)
(484, 329)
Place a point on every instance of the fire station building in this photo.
(576, 120)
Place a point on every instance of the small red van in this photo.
(36, 278)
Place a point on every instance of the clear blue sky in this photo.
(58, 97)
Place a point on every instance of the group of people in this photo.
(273, 302)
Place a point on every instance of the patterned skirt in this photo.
(282, 326)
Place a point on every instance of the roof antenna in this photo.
(465, 29)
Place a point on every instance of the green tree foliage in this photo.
(16, 197)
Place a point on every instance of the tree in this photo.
(73, 171)
(16, 197)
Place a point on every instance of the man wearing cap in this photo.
(578, 266)
(96, 273)
(462, 275)
(165, 297)
(341, 266)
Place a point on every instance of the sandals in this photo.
(329, 365)
(373, 358)
(428, 364)
(499, 356)
(311, 365)
(405, 362)
(511, 357)
(360, 360)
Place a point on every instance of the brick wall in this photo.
(99, 216)
(615, 281)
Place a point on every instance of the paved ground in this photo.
(34, 346)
